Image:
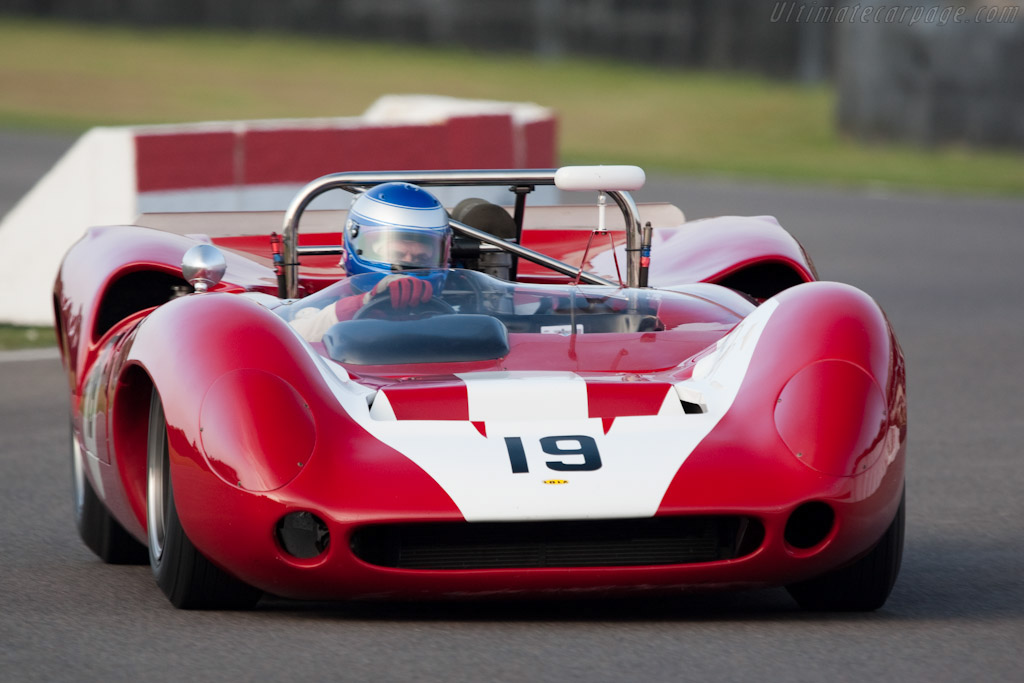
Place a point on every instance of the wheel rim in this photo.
(157, 481)
(77, 476)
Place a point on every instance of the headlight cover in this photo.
(832, 416)
(257, 431)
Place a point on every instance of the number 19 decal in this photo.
(553, 445)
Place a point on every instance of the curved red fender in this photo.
(827, 377)
(245, 367)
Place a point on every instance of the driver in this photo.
(391, 228)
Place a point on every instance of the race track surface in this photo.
(946, 270)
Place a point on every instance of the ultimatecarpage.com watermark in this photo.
(812, 12)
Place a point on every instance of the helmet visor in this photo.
(405, 247)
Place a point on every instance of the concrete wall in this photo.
(112, 174)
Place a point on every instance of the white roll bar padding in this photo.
(597, 178)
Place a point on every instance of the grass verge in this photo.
(56, 76)
(16, 337)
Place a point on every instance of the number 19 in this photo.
(583, 445)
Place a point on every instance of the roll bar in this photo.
(356, 181)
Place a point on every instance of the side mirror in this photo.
(203, 266)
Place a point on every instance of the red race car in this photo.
(545, 404)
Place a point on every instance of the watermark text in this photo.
(815, 13)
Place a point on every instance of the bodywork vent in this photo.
(592, 543)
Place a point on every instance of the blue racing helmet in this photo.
(394, 227)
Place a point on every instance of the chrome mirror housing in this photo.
(203, 266)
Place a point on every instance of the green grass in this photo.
(15, 337)
(70, 77)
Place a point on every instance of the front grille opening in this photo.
(592, 543)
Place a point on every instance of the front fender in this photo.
(235, 381)
(820, 415)
(255, 430)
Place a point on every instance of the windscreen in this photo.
(460, 298)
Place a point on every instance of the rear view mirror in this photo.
(203, 266)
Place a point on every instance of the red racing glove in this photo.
(405, 291)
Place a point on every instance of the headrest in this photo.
(483, 215)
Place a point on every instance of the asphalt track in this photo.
(947, 271)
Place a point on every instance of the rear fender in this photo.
(116, 271)
(751, 254)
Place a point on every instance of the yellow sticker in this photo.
(556, 481)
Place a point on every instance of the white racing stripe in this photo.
(543, 458)
(514, 396)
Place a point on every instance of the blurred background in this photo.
(926, 96)
(886, 136)
(889, 97)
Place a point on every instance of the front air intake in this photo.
(524, 545)
(809, 525)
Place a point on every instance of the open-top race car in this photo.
(560, 407)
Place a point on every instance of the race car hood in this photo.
(553, 444)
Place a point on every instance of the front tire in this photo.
(863, 586)
(98, 529)
(187, 578)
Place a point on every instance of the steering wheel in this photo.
(380, 308)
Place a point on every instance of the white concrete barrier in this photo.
(110, 175)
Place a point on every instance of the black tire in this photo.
(187, 578)
(863, 586)
(100, 532)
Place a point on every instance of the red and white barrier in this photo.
(109, 172)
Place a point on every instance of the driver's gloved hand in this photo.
(405, 291)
